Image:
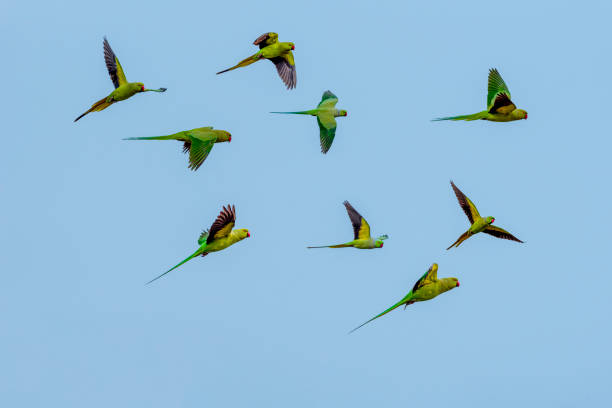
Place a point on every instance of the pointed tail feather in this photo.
(405, 300)
(247, 61)
(475, 116)
(331, 246)
(459, 240)
(152, 138)
(96, 107)
(189, 258)
(308, 112)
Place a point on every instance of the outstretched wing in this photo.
(203, 237)
(430, 276)
(468, 206)
(113, 66)
(361, 228)
(198, 150)
(266, 39)
(223, 224)
(498, 96)
(327, 130)
(500, 233)
(285, 66)
(328, 100)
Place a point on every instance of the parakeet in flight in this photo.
(426, 288)
(361, 228)
(123, 88)
(326, 114)
(499, 106)
(218, 237)
(277, 52)
(479, 224)
(198, 142)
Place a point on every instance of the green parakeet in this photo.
(478, 223)
(499, 106)
(361, 228)
(326, 114)
(277, 52)
(198, 142)
(426, 288)
(217, 238)
(123, 88)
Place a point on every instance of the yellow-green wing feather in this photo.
(198, 151)
(500, 233)
(113, 66)
(466, 204)
(285, 66)
(327, 130)
(498, 95)
(361, 228)
(428, 277)
(223, 225)
(328, 100)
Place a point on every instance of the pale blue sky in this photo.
(88, 218)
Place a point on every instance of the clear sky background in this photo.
(88, 218)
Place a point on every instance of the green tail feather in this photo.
(475, 116)
(308, 112)
(152, 138)
(189, 258)
(405, 300)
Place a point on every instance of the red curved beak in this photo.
(142, 88)
(248, 235)
(457, 283)
(525, 116)
(230, 138)
(293, 47)
(381, 244)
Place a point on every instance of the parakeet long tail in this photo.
(475, 116)
(96, 107)
(190, 257)
(459, 240)
(395, 306)
(308, 112)
(171, 137)
(247, 61)
(331, 246)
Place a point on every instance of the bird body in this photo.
(198, 142)
(220, 236)
(278, 52)
(123, 89)
(499, 106)
(426, 288)
(326, 113)
(477, 223)
(361, 230)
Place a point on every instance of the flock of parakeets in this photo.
(199, 142)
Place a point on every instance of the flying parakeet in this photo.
(123, 88)
(479, 224)
(499, 106)
(198, 142)
(277, 52)
(426, 288)
(218, 237)
(361, 228)
(326, 114)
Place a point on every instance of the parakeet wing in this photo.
(266, 39)
(203, 237)
(500, 233)
(113, 66)
(199, 150)
(430, 276)
(498, 96)
(327, 130)
(328, 100)
(223, 224)
(468, 206)
(361, 228)
(285, 65)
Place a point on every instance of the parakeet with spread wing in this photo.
(326, 114)
(478, 223)
(278, 52)
(198, 142)
(499, 106)
(123, 88)
(426, 288)
(217, 238)
(361, 228)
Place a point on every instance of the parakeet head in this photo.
(519, 114)
(449, 283)
(343, 113)
(490, 220)
(379, 241)
(242, 233)
(139, 86)
(224, 136)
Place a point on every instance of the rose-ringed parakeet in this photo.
(198, 142)
(478, 223)
(217, 238)
(277, 52)
(123, 88)
(361, 228)
(426, 288)
(326, 114)
(499, 106)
